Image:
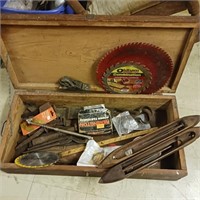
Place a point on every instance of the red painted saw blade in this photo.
(152, 57)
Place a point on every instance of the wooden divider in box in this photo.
(39, 49)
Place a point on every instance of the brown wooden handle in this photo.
(193, 7)
(77, 7)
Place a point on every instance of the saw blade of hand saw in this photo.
(152, 57)
(127, 77)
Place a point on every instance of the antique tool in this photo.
(29, 139)
(61, 114)
(144, 115)
(62, 141)
(29, 121)
(23, 160)
(152, 63)
(46, 138)
(144, 143)
(68, 83)
(148, 113)
(44, 107)
(132, 165)
(72, 112)
(31, 111)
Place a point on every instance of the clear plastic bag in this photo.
(94, 154)
(124, 123)
(86, 158)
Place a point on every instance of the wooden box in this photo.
(39, 49)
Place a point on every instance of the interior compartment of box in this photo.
(165, 107)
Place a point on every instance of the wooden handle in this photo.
(193, 7)
(108, 141)
(77, 7)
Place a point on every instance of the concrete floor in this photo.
(35, 187)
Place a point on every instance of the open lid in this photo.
(40, 49)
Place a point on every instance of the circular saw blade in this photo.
(127, 77)
(37, 159)
(152, 57)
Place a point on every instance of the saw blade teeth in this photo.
(160, 67)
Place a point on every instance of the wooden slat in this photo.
(182, 162)
(83, 99)
(102, 21)
(159, 174)
(10, 133)
(184, 57)
(172, 111)
(164, 8)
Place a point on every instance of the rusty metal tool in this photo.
(68, 83)
(66, 140)
(46, 138)
(40, 159)
(71, 84)
(29, 121)
(132, 148)
(29, 139)
(134, 164)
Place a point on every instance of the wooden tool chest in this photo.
(39, 49)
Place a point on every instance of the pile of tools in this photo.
(50, 135)
(57, 129)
